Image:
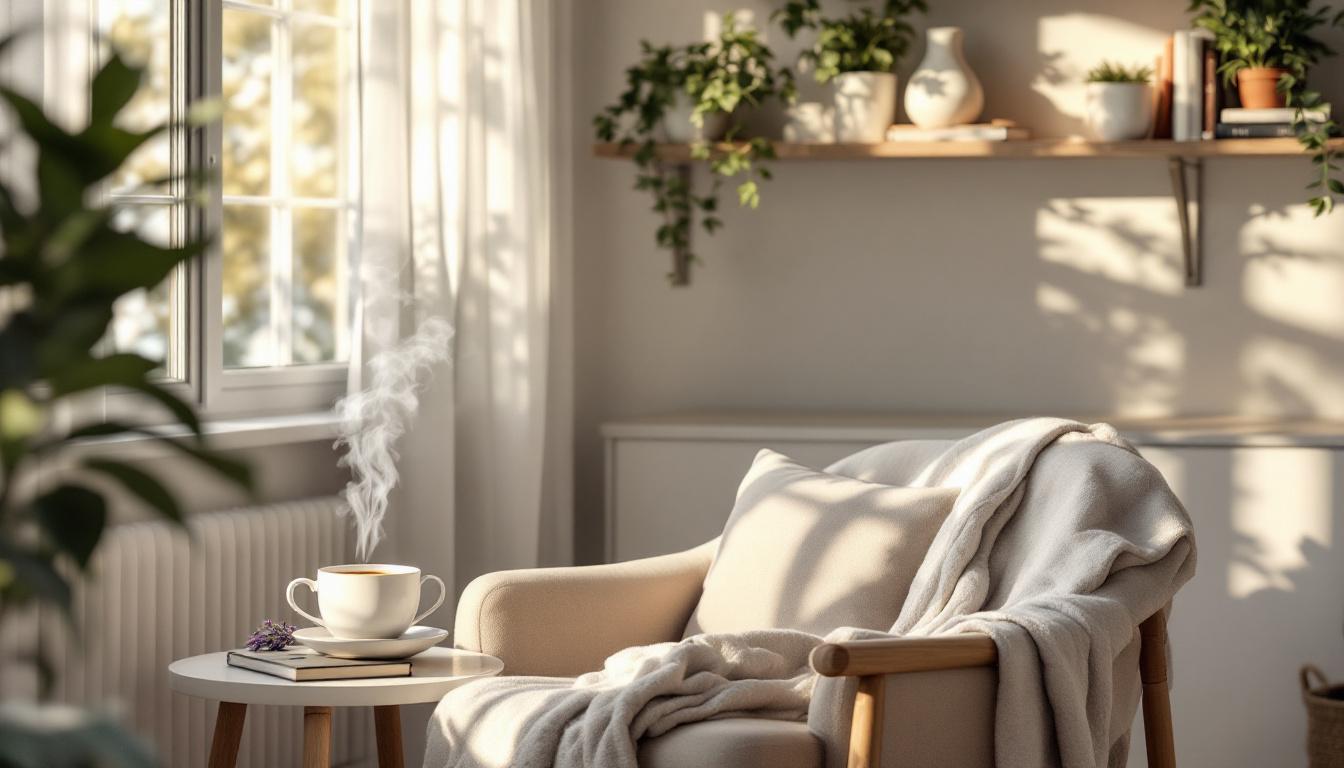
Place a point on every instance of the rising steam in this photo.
(373, 420)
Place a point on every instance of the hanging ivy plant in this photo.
(864, 41)
(714, 78)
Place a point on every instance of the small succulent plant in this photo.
(271, 636)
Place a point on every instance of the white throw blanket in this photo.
(1056, 554)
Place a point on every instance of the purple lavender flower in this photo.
(271, 636)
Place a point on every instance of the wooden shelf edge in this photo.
(1023, 149)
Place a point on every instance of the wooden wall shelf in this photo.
(1023, 149)
(1185, 163)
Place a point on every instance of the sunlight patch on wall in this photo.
(1286, 378)
(1123, 240)
(1295, 274)
(1144, 358)
(1267, 549)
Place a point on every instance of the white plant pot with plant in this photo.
(1119, 102)
(865, 106)
(856, 54)
(679, 125)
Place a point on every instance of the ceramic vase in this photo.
(943, 91)
(1119, 111)
(678, 128)
(865, 106)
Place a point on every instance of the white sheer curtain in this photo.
(464, 151)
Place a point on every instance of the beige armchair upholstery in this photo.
(562, 622)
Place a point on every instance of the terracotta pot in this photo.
(1259, 87)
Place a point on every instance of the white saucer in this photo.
(411, 642)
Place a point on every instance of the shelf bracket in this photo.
(1187, 188)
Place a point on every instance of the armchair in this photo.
(921, 701)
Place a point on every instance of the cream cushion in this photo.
(733, 742)
(812, 551)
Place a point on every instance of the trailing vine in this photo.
(714, 78)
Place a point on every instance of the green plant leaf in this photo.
(234, 471)
(72, 518)
(141, 484)
(180, 409)
(121, 369)
(113, 88)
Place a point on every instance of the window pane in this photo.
(142, 322)
(246, 266)
(327, 7)
(316, 111)
(247, 112)
(319, 280)
(142, 30)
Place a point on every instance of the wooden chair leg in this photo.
(228, 734)
(317, 737)
(1157, 727)
(865, 735)
(387, 727)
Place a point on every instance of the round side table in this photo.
(433, 674)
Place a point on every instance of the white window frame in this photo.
(199, 374)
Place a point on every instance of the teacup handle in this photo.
(443, 592)
(289, 595)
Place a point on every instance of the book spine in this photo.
(1163, 92)
(1181, 128)
(1254, 131)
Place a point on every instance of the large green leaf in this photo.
(140, 483)
(48, 736)
(113, 88)
(122, 369)
(234, 471)
(34, 575)
(73, 518)
(181, 410)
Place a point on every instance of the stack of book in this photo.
(995, 130)
(304, 665)
(1238, 123)
(1188, 92)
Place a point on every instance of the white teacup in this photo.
(367, 601)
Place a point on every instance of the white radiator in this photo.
(156, 597)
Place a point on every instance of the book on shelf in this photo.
(1188, 92)
(303, 665)
(1243, 116)
(1163, 89)
(1255, 131)
(997, 130)
(1213, 92)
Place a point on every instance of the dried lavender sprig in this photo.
(271, 636)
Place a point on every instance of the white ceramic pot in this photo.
(1119, 111)
(865, 106)
(943, 91)
(678, 128)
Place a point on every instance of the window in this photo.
(263, 324)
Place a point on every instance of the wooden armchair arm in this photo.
(861, 658)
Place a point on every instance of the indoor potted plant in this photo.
(857, 54)
(1273, 41)
(1119, 102)
(67, 261)
(1263, 42)
(691, 94)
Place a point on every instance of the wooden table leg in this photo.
(387, 726)
(228, 733)
(316, 737)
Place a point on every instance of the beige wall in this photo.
(1005, 286)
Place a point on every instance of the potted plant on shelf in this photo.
(857, 54)
(66, 263)
(1267, 48)
(1119, 102)
(692, 94)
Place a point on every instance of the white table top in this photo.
(433, 674)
